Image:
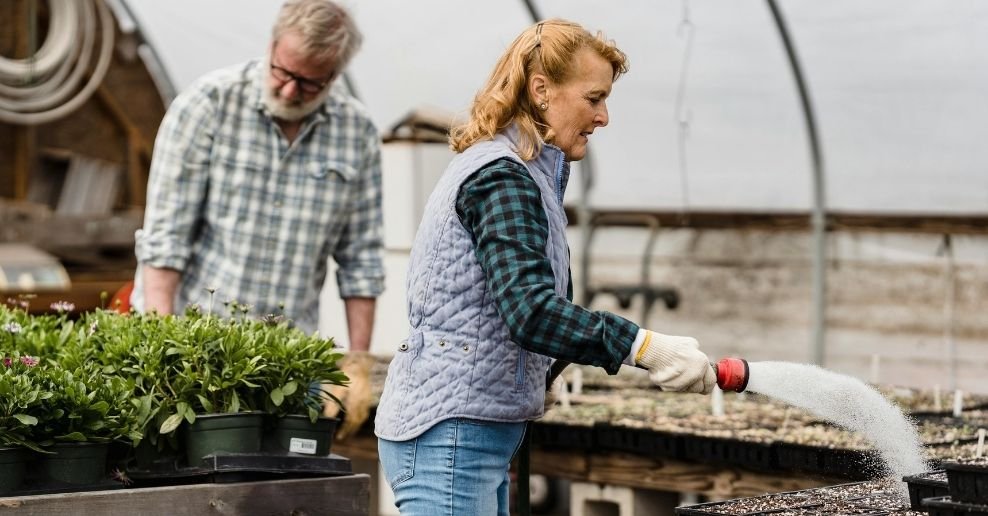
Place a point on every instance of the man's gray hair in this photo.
(326, 29)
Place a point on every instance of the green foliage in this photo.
(23, 398)
(88, 406)
(295, 363)
(137, 376)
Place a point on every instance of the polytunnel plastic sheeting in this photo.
(898, 88)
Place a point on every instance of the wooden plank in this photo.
(836, 221)
(138, 149)
(25, 138)
(336, 496)
(629, 470)
(65, 232)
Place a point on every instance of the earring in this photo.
(543, 106)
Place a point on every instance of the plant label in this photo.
(306, 446)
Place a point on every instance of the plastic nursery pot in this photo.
(75, 463)
(947, 507)
(925, 485)
(12, 465)
(968, 482)
(223, 433)
(298, 434)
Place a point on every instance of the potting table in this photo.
(629, 470)
(338, 496)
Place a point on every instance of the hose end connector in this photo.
(732, 374)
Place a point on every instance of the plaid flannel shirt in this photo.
(501, 207)
(236, 208)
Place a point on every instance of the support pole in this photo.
(818, 219)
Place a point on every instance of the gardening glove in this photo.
(356, 396)
(676, 363)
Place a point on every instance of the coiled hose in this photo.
(46, 86)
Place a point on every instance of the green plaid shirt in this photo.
(501, 207)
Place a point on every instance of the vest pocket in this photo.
(520, 367)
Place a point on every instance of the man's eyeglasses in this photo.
(304, 83)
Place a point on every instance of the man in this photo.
(260, 173)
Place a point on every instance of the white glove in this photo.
(676, 363)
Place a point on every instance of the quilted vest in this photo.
(459, 360)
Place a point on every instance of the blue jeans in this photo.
(457, 467)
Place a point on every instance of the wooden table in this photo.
(337, 496)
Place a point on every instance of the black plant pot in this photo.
(223, 433)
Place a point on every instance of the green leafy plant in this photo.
(298, 365)
(87, 406)
(22, 400)
(217, 366)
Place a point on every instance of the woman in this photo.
(489, 283)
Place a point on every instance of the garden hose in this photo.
(45, 86)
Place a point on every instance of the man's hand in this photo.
(355, 397)
(676, 363)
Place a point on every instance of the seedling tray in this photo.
(733, 452)
(845, 463)
(569, 437)
(945, 506)
(804, 502)
(32, 487)
(925, 485)
(640, 441)
(241, 467)
(967, 483)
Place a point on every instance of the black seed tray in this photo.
(947, 507)
(883, 502)
(241, 467)
(641, 441)
(570, 437)
(734, 452)
(925, 485)
(799, 457)
(851, 464)
(967, 483)
(730, 507)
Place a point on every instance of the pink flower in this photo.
(29, 361)
(7, 362)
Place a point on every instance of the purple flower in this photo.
(12, 327)
(62, 306)
(29, 361)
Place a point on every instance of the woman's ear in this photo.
(538, 88)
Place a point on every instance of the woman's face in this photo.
(578, 106)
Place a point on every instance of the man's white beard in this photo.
(287, 109)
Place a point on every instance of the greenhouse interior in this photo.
(277, 257)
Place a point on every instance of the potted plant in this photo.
(134, 347)
(21, 400)
(85, 412)
(298, 368)
(211, 385)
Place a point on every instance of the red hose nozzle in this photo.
(732, 374)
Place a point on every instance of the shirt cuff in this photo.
(635, 346)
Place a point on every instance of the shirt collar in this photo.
(551, 161)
